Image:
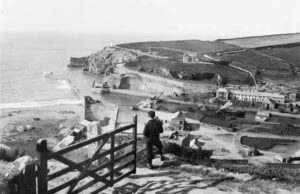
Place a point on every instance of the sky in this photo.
(189, 18)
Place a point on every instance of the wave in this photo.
(34, 104)
(63, 85)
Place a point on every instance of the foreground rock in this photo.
(11, 176)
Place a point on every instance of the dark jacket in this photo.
(152, 129)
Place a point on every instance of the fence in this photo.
(87, 172)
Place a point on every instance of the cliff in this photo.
(103, 60)
(77, 62)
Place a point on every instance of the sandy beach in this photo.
(50, 122)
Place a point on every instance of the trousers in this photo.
(149, 147)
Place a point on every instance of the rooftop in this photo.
(257, 93)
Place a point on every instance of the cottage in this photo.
(257, 96)
(173, 121)
(222, 94)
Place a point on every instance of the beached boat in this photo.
(48, 74)
(100, 88)
(146, 105)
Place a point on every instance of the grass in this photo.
(195, 71)
(255, 60)
(289, 54)
(262, 41)
(172, 55)
(188, 45)
(264, 143)
(281, 174)
(278, 130)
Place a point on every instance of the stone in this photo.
(196, 144)
(22, 162)
(29, 128)
(20, 128)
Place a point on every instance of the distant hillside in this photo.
(254, 61)
(263, 41)
(185, 45)
(290, 54)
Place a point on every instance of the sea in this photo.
(25, 58)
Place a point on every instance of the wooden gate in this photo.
(121, 163)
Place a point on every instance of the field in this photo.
(289, 54)
(278, 130)
(196, 72)
(255, 61)
(264, 143)
(186, 45)
(171, 54)
(264, 41)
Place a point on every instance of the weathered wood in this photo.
(29, 180)
(89, 141)
(71, 163)
(74, 166)
(83, 166)
(135, 141)
(128, 143)
(85, 169)
(112, 158)
(119, 130)
(131, 153)
(78, 145)
(41, 147)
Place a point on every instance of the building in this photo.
(172, 121)
(255, 96)
(190, 57)
(222, 94)
(250, 96)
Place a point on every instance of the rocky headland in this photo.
(102, 61)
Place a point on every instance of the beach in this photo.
(51, 122)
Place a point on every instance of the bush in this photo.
(280, 173)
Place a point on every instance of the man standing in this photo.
(151, 132)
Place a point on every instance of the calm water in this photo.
(25, 56)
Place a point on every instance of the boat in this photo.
(47, 74)
(100, 88)
(146, 105)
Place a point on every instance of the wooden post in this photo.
(112, 158)
(41, 147)
(28, 182)
(135, 141)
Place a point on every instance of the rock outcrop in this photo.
(102, 61)
(78, 62)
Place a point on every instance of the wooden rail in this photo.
(122, 157)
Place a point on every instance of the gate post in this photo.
(112, 158)
(135, 141)
(41, 147)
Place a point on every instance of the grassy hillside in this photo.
(253, 60)
(195, 71)
(186, 45)
(289, 54)
(263, 41)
